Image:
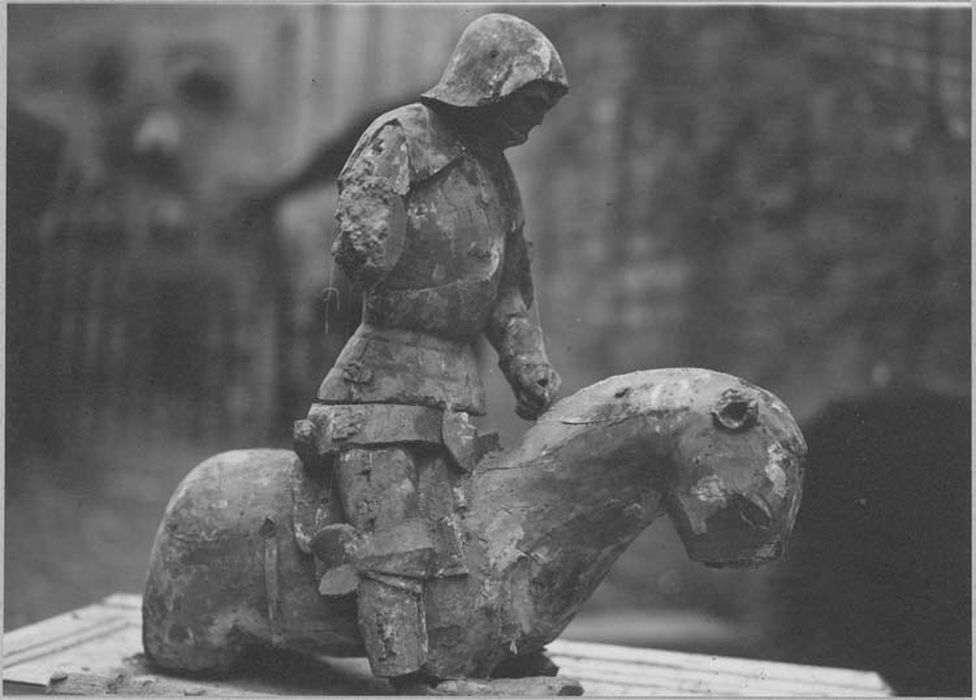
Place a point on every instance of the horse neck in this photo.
(572, 491)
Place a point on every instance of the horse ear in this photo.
(736, 412)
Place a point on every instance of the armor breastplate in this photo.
(446, 280)
(415, 345)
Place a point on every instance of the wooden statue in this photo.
(249, 536)
(395, 529)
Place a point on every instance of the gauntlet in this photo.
(523, 361)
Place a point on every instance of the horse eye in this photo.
(736, 413)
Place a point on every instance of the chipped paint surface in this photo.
(639, 393)
(777, 456)
(496, 55)
(502, 536)
(710, 489)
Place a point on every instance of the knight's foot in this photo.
(519, 687)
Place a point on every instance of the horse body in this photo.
(541, 526)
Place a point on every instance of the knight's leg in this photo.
(378, 492)
(377, 487)
(391, 619)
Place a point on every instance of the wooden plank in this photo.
(97, 650)
(750, 681)
(811, 677)
(50, 633)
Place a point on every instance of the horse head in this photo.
(736, 480)
(722, 457)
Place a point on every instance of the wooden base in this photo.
(98, 650)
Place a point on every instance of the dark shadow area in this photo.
(878, 575)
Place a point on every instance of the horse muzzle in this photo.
(724, 526)
(744, 532)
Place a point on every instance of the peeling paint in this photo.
(655, 396)
(775, 473)
(710, 489)
(302, 538)
(698, 526)
(503, 535)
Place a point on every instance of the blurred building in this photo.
(779, 193)
(767, 191)
(163, 299)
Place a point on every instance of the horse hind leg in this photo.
(205, 598)
(209, 642)
(190, 623)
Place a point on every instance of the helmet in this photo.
(496, 55)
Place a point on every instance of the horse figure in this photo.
(541, 525)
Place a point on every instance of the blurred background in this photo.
(779, 193)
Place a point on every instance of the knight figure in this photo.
(430, 224)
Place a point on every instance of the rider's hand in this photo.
(535, 386)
